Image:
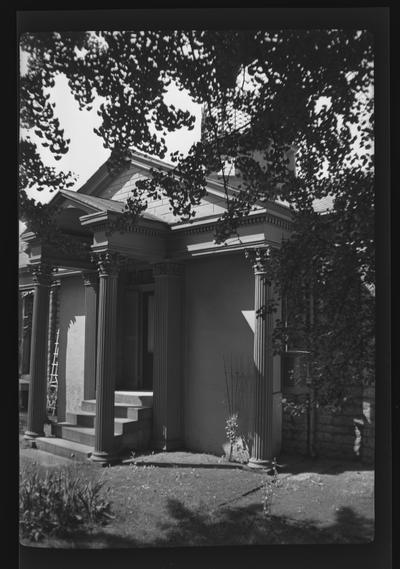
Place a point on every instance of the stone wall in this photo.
(346, 434)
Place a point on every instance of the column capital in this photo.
(41, 274)
(90, 278)
(167, 268)
(108, 263)
(259, 258)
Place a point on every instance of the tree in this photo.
(265, 94)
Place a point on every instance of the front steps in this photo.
(64, 448)
(75, 437)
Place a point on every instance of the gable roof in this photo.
(101, 178)
(96, 203)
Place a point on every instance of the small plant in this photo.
(232, 431)
(238, 387)
(59, 502)
(269, 486)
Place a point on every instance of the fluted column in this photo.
(106, 356)
(38, 359)
(263, 446)
(91, 282)
(167, 371)
(26, 332)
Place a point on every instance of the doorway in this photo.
(135, 346)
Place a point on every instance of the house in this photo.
(148, 339)
(145, 322)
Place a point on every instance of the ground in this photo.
(207, 503)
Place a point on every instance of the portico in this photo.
(136, 325)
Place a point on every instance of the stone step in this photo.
(136, 398)
(134, 413)
(82, 419)
(124, 426)
(82, 435)
(85, 434)
(121, 410)
(64, 448)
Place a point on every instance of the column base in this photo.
(258, 464)
(32, 435)
(104, 458)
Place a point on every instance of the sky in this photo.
(86, 152)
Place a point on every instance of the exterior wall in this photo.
(348, 434)
(71, 345)
(162, 209)
(122, 185)
(217, 290)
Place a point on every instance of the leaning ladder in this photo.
(52, 384)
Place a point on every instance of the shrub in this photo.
(58, 502)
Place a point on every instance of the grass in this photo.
(188, 506)
(314, 502)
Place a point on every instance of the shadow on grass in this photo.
(296, 464)
(238, 526)
(248, 526)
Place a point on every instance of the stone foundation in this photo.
(347, 434)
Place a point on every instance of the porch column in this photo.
(167, 367)
(26, 332)
(106, 360)
(38, 359)
(264, 435)
(55, 286)
(91, 281)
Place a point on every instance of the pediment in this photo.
(118, 189)
(103, 190)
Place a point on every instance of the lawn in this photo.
(315, 502)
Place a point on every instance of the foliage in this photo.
(267, 95)
(59, 502)
(288, 70)
(326, 277)
(232, 431)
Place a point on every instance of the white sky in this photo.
(86, 152)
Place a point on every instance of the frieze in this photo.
(148, 231)
(250, 220)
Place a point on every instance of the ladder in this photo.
(52, 384)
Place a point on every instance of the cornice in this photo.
(264, 217)
(211, 249)
(99, 221)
